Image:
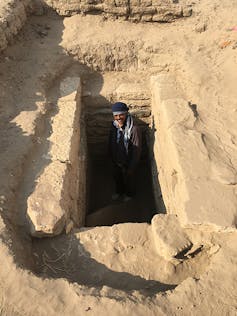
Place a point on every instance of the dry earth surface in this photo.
(58, 70)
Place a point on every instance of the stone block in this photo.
(59, 194)
(169, 237)
(197, 177)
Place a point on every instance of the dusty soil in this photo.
(94, 270)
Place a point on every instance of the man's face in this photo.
(120, 118)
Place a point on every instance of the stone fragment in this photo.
(170, 239)
(69, 226)
(187, 11)
(201, 27)
(234, 46)
(45, 209)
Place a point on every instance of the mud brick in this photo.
(159, 2)
(143, 10)
(146, 18)
(146, 3)
(116, 10)
(135, 3)
(121, 3)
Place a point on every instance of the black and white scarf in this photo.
(127, 131)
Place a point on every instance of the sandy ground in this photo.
(96, 270)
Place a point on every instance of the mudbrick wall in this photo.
(13, 13)
(135, 10)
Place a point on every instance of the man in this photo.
(125, 150)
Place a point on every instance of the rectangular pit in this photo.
(99, 93)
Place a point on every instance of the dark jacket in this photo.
(118, 153)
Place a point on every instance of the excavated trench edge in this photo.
(63, 239)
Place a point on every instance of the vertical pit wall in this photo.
(59, 196)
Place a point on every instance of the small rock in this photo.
(234, 45)
(86, 94)
(88, 309)
(69, 227)
(2, 199)
(42, 33)
(170, 238)
(225, 44)
(187, 12)
(201, 28)
(214, 249)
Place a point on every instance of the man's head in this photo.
(120, 112)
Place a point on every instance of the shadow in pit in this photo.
(155, 172)
(66, 257)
